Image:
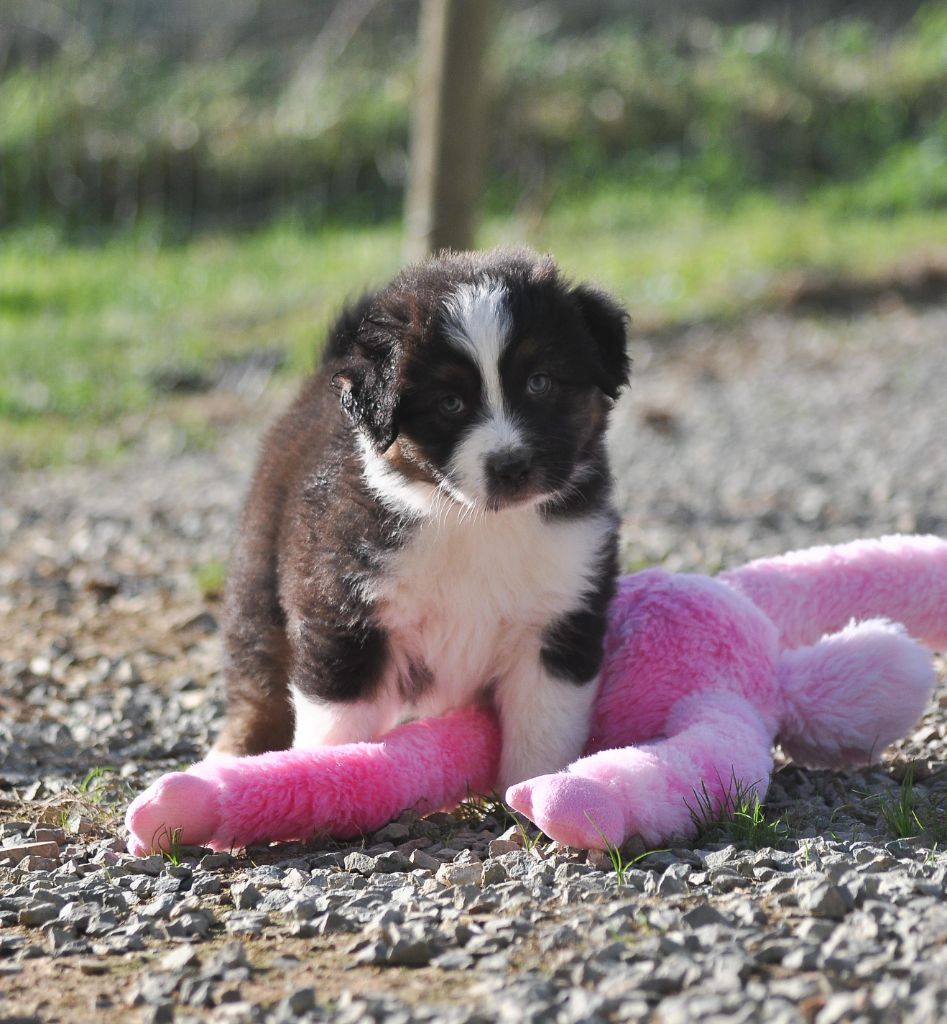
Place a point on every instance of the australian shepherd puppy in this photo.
(431, 523)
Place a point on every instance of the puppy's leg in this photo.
(340, 685)
(259, 713)
(256, 649)
(545, 701)
(544, 720)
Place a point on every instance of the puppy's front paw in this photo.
(574, 811)
(177, 808)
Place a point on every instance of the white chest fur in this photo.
(468, 592)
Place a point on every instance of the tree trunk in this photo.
(448, 142)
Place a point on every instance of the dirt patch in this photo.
(921, 282)
(73, 990)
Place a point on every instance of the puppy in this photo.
(431, 523)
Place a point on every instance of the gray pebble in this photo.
(825, 900)
(301, 1001)
(37, 914)
(215, 861)
(246, 922)
(460, 874)
(245, 895)
(152, 865)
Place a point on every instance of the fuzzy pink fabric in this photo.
(654, 790)
(820, 590)
(673, 635)
(700, 677)
(339, 791)
(846, 697)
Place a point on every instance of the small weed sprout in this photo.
(100, 796)
(935, 823)
(738, 818)
(619, 864)
(210, 578)
(912, 814)
(170, 849)
(530, 843)
(94, 784)
(473, 809)
(900, 815)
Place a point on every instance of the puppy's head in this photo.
(482, 376)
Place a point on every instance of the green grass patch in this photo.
(911, 814)
(100, 798)
(97, 342)
(740, 818)
(91, 334)
(210, 118)
(210, 578)
(485, 809)
(680, 256)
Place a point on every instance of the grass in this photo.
(95, 784)
(478, 810)
(92, 334)
(900, 815)
(100, 797)
(740, 818)
(620, 864)
(170, 845)
(530, 842)
(475, 809)
(679, 257)
(97, 342)
(912, 814)
(130, 113)
(210, 578)
(686, 166)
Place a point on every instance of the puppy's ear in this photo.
(608, 324)
(366, 345)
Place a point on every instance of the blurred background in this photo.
(190, 188)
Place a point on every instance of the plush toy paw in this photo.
(572, 810)
(177, 808)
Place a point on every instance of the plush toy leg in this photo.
(819, 590)
(717, 748)
(341, 791)
(851, 694)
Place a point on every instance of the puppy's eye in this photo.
(539, 384)
(452, 405)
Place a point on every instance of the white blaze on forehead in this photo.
(479, 323)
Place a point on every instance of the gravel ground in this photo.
(778, 433)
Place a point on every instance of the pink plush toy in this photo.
(812, 650)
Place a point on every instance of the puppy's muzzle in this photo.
(510, 475)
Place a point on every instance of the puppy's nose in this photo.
(508, 471)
